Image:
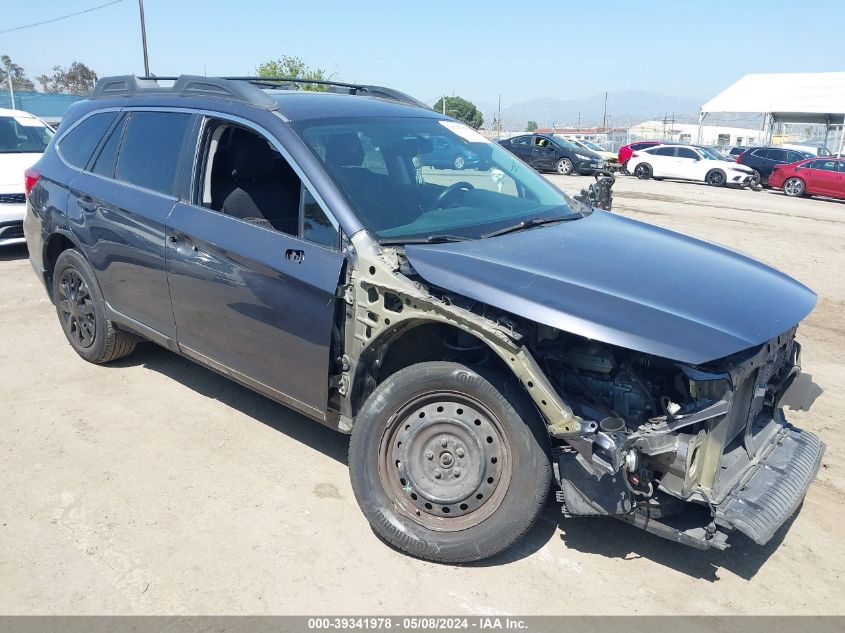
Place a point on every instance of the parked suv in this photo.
(552, 153)
(761, 160)
(478, 332)
(23, 138)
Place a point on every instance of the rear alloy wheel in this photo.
(715, 178)
(449, 463)
(563, 167)
(82, 313)
(643, 171)
(794, 187)
(459, 162)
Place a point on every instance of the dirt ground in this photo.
(156, 486)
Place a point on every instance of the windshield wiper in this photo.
(530, 223)
(428, 239)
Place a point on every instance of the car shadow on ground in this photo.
(13, 253)
(592, 535)
(213, 385)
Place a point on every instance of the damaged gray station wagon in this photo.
(478, 332)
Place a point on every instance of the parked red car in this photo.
(811, 176)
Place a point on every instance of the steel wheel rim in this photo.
(459, 162)
(793, 187)
(456, 437)
(76, 307)
(564, 166)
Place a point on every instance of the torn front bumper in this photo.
(770, 492)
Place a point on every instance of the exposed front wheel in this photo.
(563, 167)
(794, 187)
(82, 312)
(449, 463)
(643, 171)
(459, 162)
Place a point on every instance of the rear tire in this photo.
(459, 162)
(82, 312)
(449, 463)
(643, 171)
(794, 187)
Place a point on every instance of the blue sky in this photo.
(479, 50)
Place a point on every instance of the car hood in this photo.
(625, 283)
(12, 167)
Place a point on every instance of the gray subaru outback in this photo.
(479, 333)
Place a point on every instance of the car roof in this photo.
(19, 113)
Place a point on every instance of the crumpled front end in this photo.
(669, 434)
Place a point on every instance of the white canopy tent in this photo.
(786, 98)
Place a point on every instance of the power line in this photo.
(64, 17)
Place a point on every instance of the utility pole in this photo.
(444, 104)
(604, 118)
(11, 88)
(499, 119)
(144, 39)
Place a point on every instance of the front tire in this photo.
(459, 162)
(794, 187)
(715, 178)
(449, 463)
(643, 171)
(82, 312)
(564, 167)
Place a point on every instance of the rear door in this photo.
(118, 206)
(663, 162)
(253, 266)
(821, 176)
(521, 146)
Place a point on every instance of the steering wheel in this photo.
(463, 185)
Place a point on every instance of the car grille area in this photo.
(760, 505)
(12, 198)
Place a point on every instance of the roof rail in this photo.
(245, 89)
(185, 85)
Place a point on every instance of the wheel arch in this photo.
(55, 245)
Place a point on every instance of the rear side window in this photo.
(79, 144)
(105, 162)
(150, 151)
(761, 153)
(794, 157)
(664, 151)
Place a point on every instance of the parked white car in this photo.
(23, 138)
(688, 162)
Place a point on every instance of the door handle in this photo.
(87, 205)
(294, 255)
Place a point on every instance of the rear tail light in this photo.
(31, 177)
(739, 158)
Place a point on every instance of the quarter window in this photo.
(152, 143)
(664, 151)
(79, 144)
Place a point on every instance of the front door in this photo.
(253, 265)
(543, 153)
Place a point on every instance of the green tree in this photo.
(77, 79)
(531, 126)
(19, 79)
(462, 110)
(294, 68)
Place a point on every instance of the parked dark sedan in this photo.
(551, 153)
(479, 333)
(445, 154)
(762, 160)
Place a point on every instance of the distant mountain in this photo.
(623, 108)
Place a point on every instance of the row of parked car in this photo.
(796, 172)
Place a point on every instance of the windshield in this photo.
(712, 153)
(410, 178)
(20, 135)
(591, 146)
